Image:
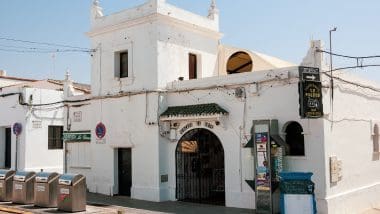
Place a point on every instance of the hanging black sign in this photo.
(311, 105)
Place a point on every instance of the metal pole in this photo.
(16, 162)
(331, 74)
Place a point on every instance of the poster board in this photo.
(261, 139)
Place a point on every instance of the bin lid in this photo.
(43, 177)
(4, 173)
(23, 175)
(68, 179)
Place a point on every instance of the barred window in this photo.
(55, 140)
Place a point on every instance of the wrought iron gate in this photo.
(200, 168)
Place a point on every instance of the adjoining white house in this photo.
(171, 112)
(8, 81)
(37, 143)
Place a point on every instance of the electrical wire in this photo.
(359, 60)
(215, 87)
(353, 83)
(346, 56)
(44, 51)
(44, 43)
(23, 47)
(357, 66)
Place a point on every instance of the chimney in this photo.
(3, 73)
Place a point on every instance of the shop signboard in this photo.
(311, 99)
(310, 93)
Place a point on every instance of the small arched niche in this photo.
(295, 139)
(239, 62)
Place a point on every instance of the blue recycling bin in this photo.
(297, 193)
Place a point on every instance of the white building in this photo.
(27, 102)
(165, 139)
(8, 81)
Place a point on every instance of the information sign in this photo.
(100, 130)
(309, 74)
(310, 93)
(17, 128)
(79, 136)
(311, 99)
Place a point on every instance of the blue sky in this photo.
(278, 28)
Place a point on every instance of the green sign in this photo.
(78, 136)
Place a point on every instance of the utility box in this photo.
(72, 193)
(23, 187)
(45, 189)
(6, 182)
(297, 193)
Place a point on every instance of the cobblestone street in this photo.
(101, 204)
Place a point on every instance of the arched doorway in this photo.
(200, 168)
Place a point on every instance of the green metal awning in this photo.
(200, 110)
(249, 143)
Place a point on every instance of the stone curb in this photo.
(13, 210)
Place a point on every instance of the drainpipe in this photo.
(68, 127)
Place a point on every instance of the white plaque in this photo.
(40, 188)
(101, 141)
(77, 116)
(37, 124)
(65, 191)
(18, 186)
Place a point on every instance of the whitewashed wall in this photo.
(349, 137)
(33, 150)
(37, 154)
(11, 113)
(273, 100)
